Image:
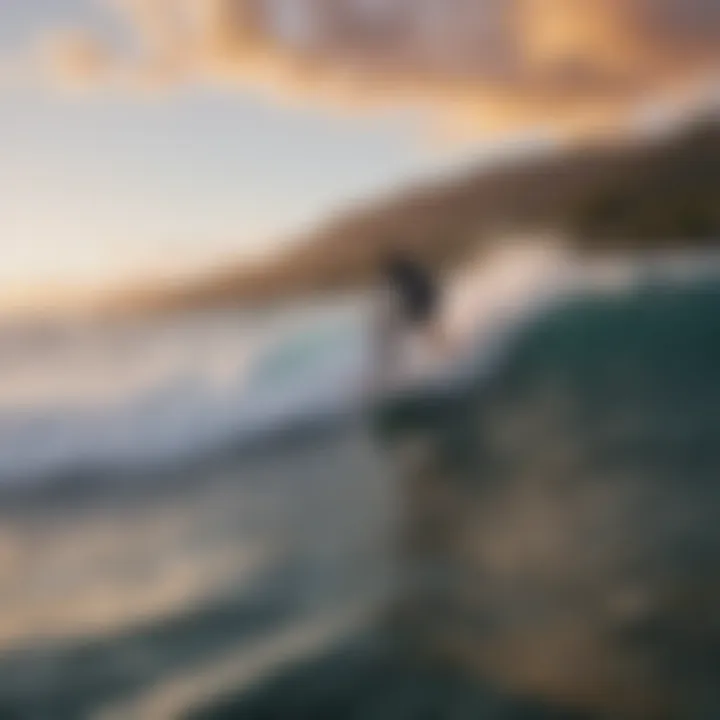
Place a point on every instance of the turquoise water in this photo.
(309, 352)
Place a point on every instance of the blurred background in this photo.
(359, 359)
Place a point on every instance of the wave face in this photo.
(564, 522)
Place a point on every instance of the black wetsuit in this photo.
(415, 288)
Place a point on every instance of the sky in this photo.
(152, 137)
(106, 187)
(100, 189)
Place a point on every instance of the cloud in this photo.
(490, 64)
(74, 58)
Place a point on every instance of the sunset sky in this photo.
(101, 186)
(145, 137)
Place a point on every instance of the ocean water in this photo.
(192, 505)
(560, 540)
(175, 506)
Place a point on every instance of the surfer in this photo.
(409, 315)
(414, 288)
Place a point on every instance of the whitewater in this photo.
(90, 395)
